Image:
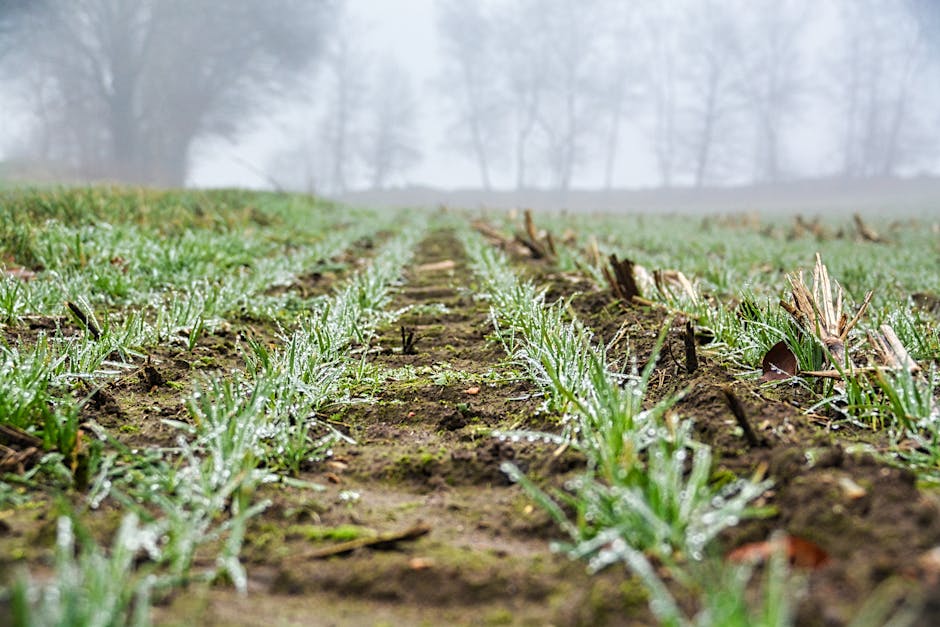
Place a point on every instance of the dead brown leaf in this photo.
(801, 553)
(19, 450)
(779, 363)
(336, 465)
(22, 274)
(420, 563)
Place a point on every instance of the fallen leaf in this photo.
(19, 273)
(779, 363)
(473, 390)
(119, 262)
(801, 553)
(420, 563)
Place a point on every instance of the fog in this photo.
(373, 100)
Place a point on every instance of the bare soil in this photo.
(424, 455)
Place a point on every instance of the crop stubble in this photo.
(424, 456)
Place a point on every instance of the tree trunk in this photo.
(665, 132)
(526, 124)
(570, 145)
(613, 137)
(705, 141)
(480, 150)
(520, 161)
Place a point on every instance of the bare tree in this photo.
(524, 77)
(346, 88)
(468, 82)
(661, 55)
(773, 84)
(297, 165)
(876, 90)
(570, 54)
(137, 81)
(391, 143)
(620, 79)
(710, 87)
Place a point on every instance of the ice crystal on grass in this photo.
(90, 586)
(646, 488)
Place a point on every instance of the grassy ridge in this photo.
(263, 306)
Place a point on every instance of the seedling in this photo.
(637, 494)
(91, 586)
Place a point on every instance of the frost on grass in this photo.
(646, 490)
(91, 586)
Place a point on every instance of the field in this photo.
(242, 408)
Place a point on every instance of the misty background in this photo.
(534, 101)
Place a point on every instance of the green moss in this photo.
(469, 560)
(410, 506)
(340, 533)
(634, 594)
(419, 464)
(267, 540)
(499, 616)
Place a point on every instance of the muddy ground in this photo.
(425, 459)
